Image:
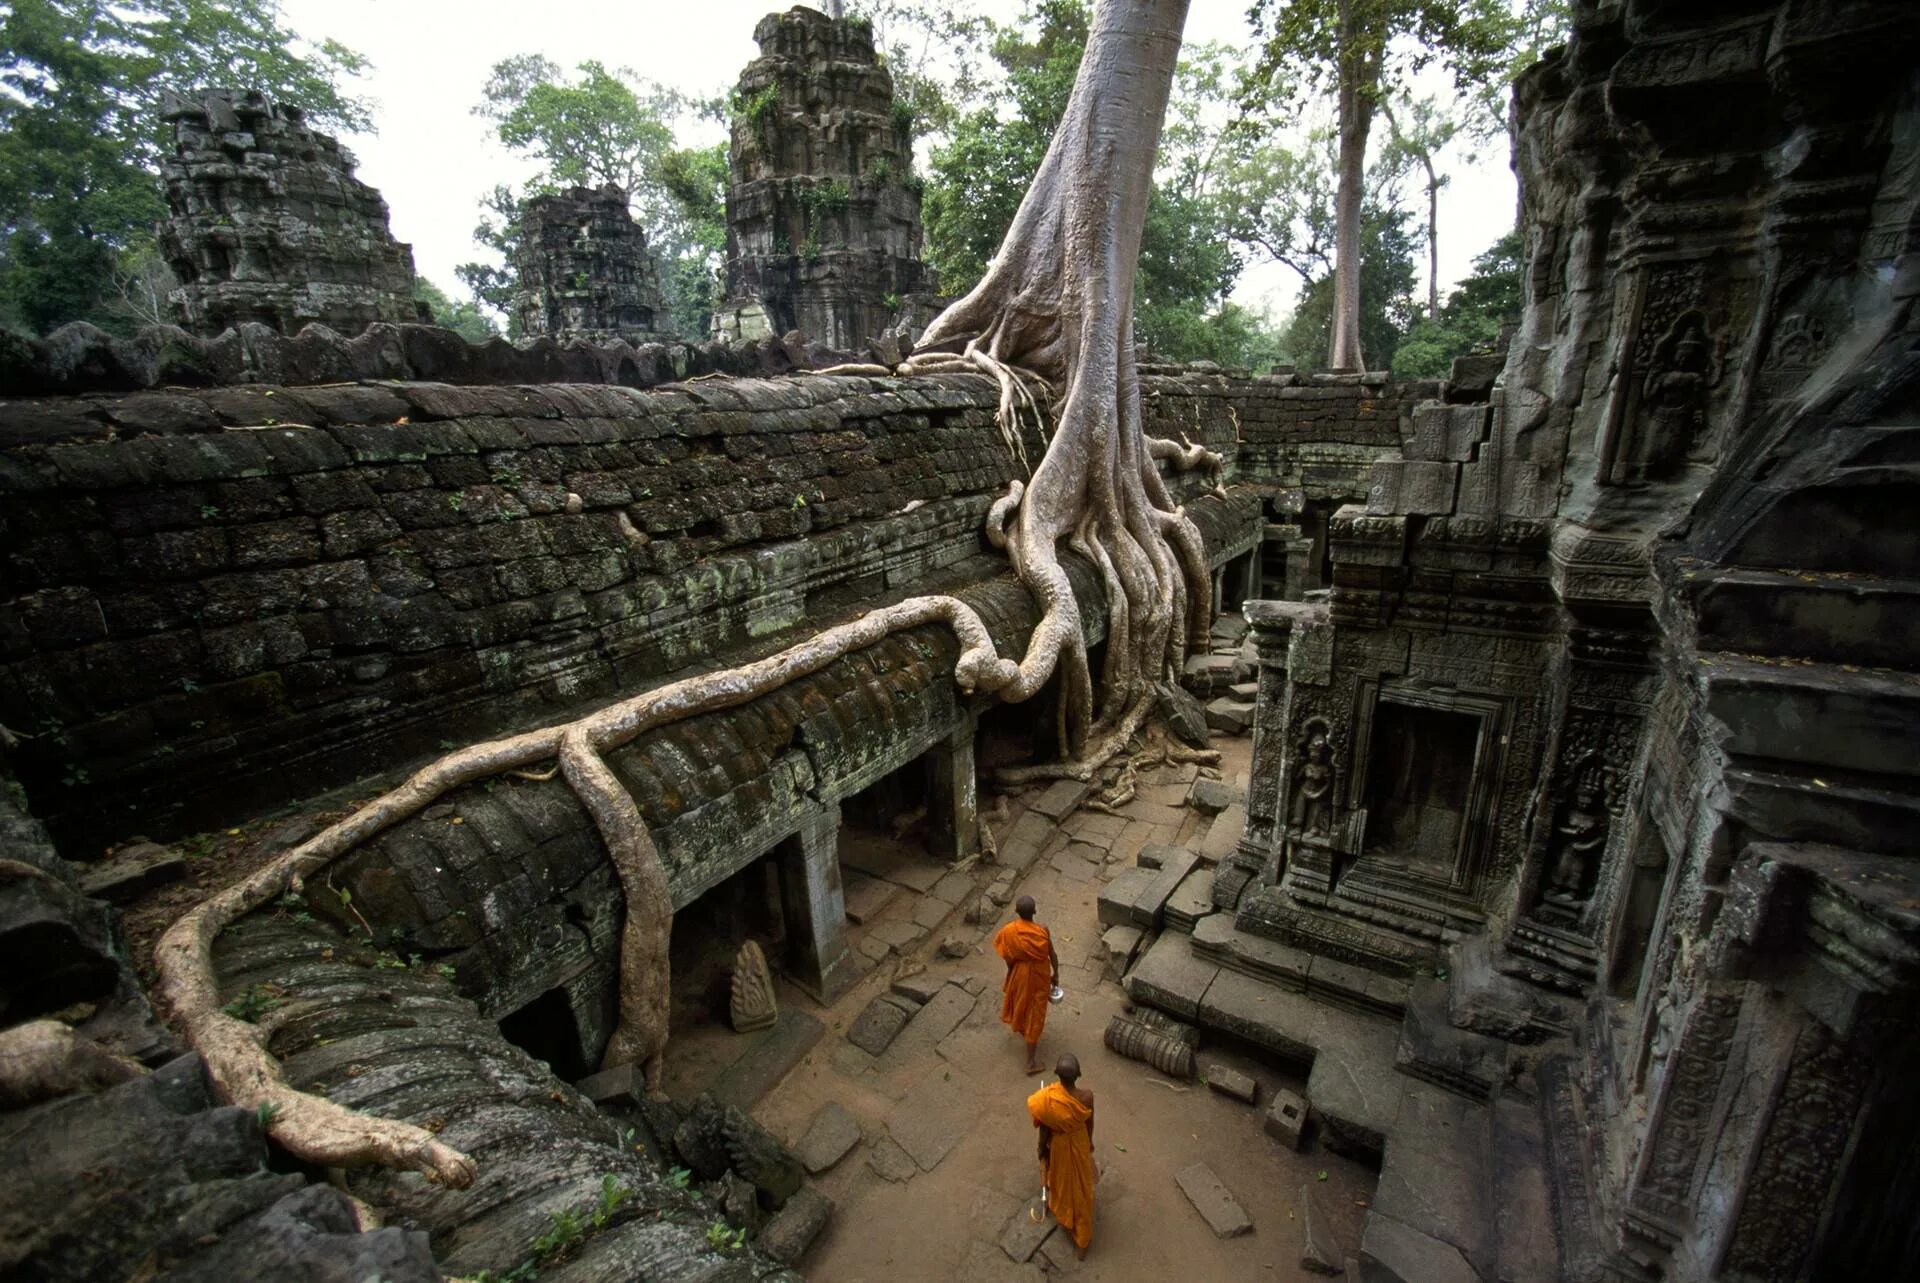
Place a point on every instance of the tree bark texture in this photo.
(1359, 85)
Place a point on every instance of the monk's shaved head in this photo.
(1068, 1068)
(1024, 907)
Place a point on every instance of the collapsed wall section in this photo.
(267, 223)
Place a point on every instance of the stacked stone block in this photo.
(823, 210)
(268, 224)
(583, 271)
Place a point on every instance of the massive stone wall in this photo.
(582, 270)
(268, 224)
(1661, 571)
(823, 209)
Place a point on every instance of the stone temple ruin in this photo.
(823, 208)
(1568, 878)
(582, 270)
(267, 224)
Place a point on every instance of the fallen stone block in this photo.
(876, 1027)
(794, 1227)
(918, 988)
(1287, 1117)
(955, 947)
(1319, 1250)
(1231, 1082)
(1248, 691)
(1215, 1203)
(831, 1134)
(890, 1162)
(1185, 717)
(1154, 855)
(621, 1085)
(1160, 886)
(1150, 1046)
(132, 870)
(1210, 796)
(1223, 835)
(1121, 943)
(1230, 716)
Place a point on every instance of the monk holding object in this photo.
(1063, 1112)
(1032, 971)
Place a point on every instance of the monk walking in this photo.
(1033, 969)
(1063, 1112)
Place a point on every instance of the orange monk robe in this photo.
(1069, 1159)
(1027, 948)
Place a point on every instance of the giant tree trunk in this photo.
(1359, 84)
(1058, 301)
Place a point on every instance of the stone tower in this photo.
(823, 210)
(583, 270)
(267, 223)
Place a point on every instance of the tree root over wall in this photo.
(1055, 311)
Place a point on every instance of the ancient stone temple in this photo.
(268, 224)
(1594, 773)
(582, 270)
(823, 208)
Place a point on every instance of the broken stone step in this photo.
(918, 988)
(1190, 901)
(1224, 834)
(1430, 1048)
(1120, 943)
(1118, 896)
(866, 896)
(1210, 796)
(1215, 1203)
(132, 870)
(1154, 894)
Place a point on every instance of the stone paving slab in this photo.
(1223, 835)
(1060, 799)
(774, 1052)
(891, 1162)
(1436, 1176)
(1070, 862)
(897, 933)
(1025, 1231)
(895, 864)
(1409, 1254)
(1320, 1251)
(954, 887)
(866, 896)
(919, 988)
(1029, 836)
(931, 912)
(986, 1263)
(879, 1023)
(932, 1118)
(831, 1134)
(1215, 1203)
(942, 1014)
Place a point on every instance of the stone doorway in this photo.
(1419, 786)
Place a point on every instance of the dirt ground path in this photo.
(959, 1104)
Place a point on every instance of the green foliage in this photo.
(723, 1237)
(1387, 305)
(680, 1177)
(1471, 318)
(266, 1113)
(253, 1003)
(81, 135)
(880, 172)
(759, 107)
(463, 318)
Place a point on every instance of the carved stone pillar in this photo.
(953, 819)
(1297, 548)
(815, 906)
(1272, 624)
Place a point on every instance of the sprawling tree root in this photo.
(1055, 309)
(320, 1131)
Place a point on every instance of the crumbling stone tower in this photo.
(269, 224)
(583, 268)
(823, 211)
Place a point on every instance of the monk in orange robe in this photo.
(1063, 1112)
(1033, 968)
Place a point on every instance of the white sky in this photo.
(433, 159)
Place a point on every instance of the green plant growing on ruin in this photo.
(680, 1177)
(880, 172)
(565, 1229)
(722, 1237)
(254, 1002)
(209, 511)
(903, 116)
(890, 301)
(758, 108)
(265, 1115)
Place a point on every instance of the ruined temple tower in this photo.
(823, 209)
(582, 269)
(267, 223)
